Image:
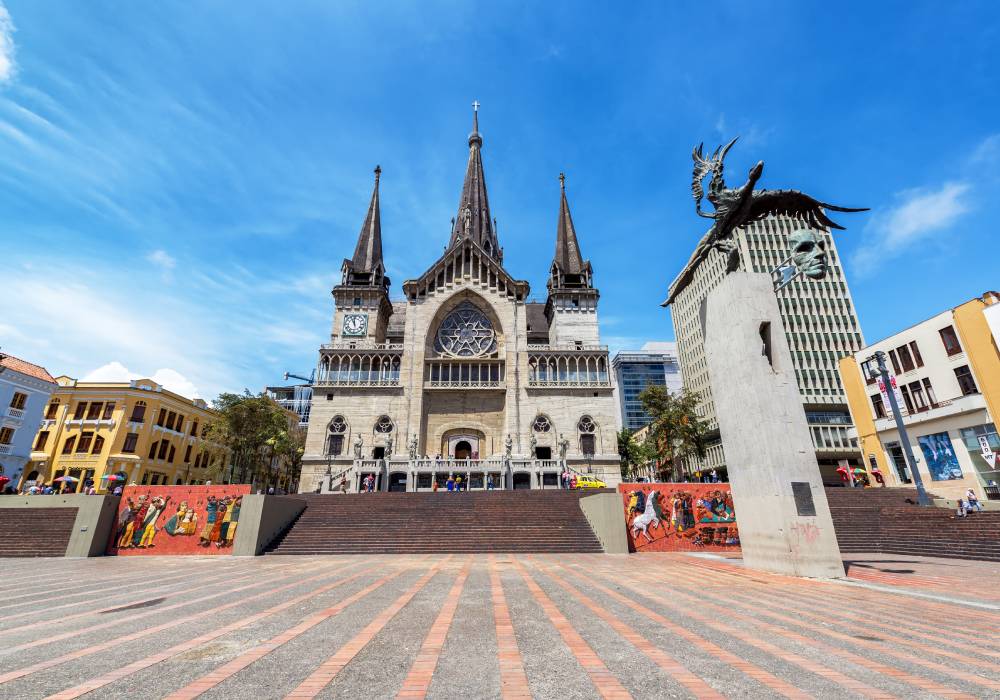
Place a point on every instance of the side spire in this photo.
(568, 266)
(366, 265)
(474, 220)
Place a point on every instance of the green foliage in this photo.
(632, 453)
(676, 432)
(260, 435)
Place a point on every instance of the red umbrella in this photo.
(113, 477)
(66, 478)
(4, 479)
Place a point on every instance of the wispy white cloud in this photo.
(162, 259)
(7, 64)
(171, 379)
(916, 215)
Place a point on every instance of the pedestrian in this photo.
(458, 483)
(714, 476)
(343, 484)
(572, 481)
(434, 486)
(877, 473)
(270, 491)
(973, 500)
(450, 483)
(489, 482)
(961, 508)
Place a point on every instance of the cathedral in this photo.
(463, 376)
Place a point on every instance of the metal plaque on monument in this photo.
(784, 519)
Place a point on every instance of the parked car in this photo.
(589, 482)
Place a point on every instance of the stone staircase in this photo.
(880, 520)
(442, 522)
(35, 532)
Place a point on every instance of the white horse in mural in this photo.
(649, 518)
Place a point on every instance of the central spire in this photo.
(473, 220)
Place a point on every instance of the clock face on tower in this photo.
(355, 324)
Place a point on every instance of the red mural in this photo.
(680, 517)
(177, 520)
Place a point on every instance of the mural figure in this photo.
(649, 518)
(183, 522)
(156, 507)
(126, 521)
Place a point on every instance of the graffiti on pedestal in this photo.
(177, 520)
(680, 517)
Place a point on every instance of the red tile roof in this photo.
(19, 365)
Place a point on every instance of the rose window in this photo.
(586, 425)
(541, 424)
(384, 425)
(466, 332)
(338, 425)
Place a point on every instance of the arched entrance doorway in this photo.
(522, 480)
(463, 449)
(397, 481)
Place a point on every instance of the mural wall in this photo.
(680, 517)
(177, 520)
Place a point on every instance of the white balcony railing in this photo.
(6, 449)
(17, 413)
(360, 345)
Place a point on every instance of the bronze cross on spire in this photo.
(475, 105)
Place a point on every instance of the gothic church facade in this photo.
(465, 376)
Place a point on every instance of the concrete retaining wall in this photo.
(95, 517)
(604, 513)
(262, 518)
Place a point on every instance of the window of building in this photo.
(383, 425)
(187, 454)
(916, 353)
(587, 445)
(194, 429)
(18, 400)
(170, 455)
(86, 438)
(335, 439)
(138, 412)
(81, 409)
(94, 412)
(904, 358)
(164, 448)
(878, 406)
(895, 362)
(68, 445)
(905, 391)
(130, 442)
(950, 340)
(161, 417)
(965, 380)
(171, 420)
(869, 368)
(6, 436)
(109, 410)
(917, 393)
(98, 445)
(931, 397)
(52, 409)
(152, 449)
(541, 424)
(43, 437)
(586, 424)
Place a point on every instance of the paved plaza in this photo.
(547, 626)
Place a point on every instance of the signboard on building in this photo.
(987, 452)
(885, 395)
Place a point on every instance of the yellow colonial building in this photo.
(137, 428)
(947, 372)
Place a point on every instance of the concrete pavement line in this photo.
(152, 659)
(702, 600)
(881, 588)
(418, 680)
(513, 679)
(606, 683)
(825, 671)
(667, 663)
(752, 670)
(328, 670)
(80, 653)
(805, 606)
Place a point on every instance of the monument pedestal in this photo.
(784, 519)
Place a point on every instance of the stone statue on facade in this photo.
(413, 448)
(534, 445)
(735, 207)
(358, 444)
(388, 446)
(563, 447)
(508, 446)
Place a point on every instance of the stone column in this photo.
(784, 520)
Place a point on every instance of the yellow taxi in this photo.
(589, 482)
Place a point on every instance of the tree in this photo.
(632, 453)
(676, 433)
(246, 423)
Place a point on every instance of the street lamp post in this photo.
(918, 481)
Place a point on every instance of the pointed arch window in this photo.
(588, 441)
(335, 436)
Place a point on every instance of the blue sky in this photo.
(179, 181)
